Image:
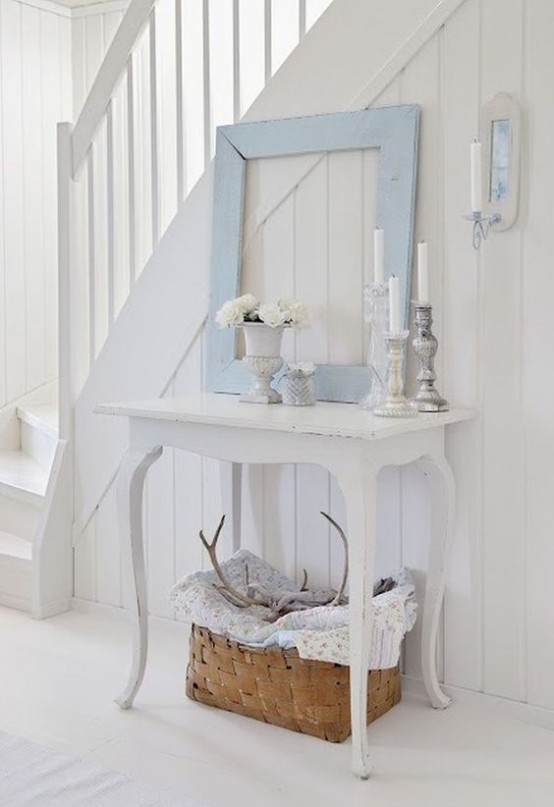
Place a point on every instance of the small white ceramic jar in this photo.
(298, 385)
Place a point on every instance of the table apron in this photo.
(265, 446)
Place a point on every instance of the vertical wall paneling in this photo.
(167, 113)
(503, 460)
(421, 80)
(179, 102)
(278, 482)
(79, 289)
(237, 96)
(160, 526)
(108, 573)
(188, 487)
(54, 66)
(98, 207)
(346, 226)
(14, 314)
(251, 58)
(284, 31)
(312, 286)
(221, 64)
(32, 214)
(538, 349)
(460, 93)
(117, 190)
(268, 39)
(3, 346)
(314, 10)
(193, 90)
(92, 280)
(154, 126)
(34, 96)
(209, 140)
(143, 161)
(110, 212)
(131, 179)
(85, 564)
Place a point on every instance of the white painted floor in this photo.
(58, 678)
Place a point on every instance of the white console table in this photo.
(350, 443)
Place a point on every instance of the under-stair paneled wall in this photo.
(35, 49)
(492, 314)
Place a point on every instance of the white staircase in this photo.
(30, 443)
(134, 235)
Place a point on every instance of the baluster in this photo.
(131, 170)
(268, 25)
(91, 257)
(236, 62)
(181, 175)
(110, 212)
(154, 130)
(206, 81)
(301, 18)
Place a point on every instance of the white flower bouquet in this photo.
(248, 309)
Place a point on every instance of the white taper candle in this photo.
(476, 178)
(394, 305)
(422, 273)
(378, 256)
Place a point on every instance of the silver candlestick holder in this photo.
(427, 398)
(395, 404)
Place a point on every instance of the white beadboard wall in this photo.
(492, 315)
(35, 51)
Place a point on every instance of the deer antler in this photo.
(336, 599)
(227, 587)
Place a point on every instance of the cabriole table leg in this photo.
(130, 489)
(360, 493)
(441, 480)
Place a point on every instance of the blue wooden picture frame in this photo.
(392, 130)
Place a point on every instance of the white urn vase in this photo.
(263, 359)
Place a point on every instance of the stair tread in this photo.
(20, 473)
(15, 547)
(41, 416)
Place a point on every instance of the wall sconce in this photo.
(498, 171)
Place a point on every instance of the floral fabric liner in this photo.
(319, 633)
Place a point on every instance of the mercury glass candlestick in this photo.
(427, 398)
(395, 404)
(376, 312)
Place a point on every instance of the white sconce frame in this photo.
(501, 108)
(501, 117)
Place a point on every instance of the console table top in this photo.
(327, 419)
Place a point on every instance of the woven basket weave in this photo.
(279, 687)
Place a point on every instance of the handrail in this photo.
(111, 71)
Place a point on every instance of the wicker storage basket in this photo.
(279, 687)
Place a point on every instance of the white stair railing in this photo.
(119, 185)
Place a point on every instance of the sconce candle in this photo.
(394, 305)
(422, 273)
(476, 177)
(378, 257)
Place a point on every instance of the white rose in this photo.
(294, 312)
(247, 303)
(229, 314)
(271, 315)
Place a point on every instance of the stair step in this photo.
(16, 570)
(22, 478)
(40, 416)
(11, 546)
